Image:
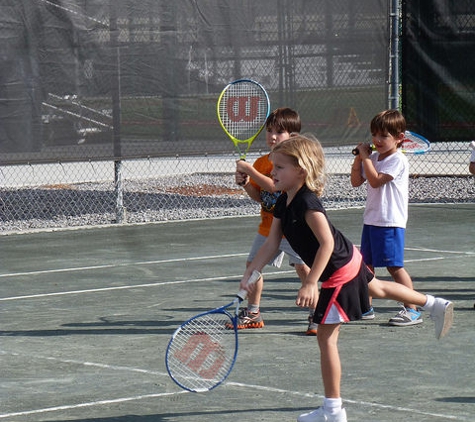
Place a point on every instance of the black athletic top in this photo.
(301, 237)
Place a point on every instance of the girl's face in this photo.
(386, 144)
(275, 136)
(287, 177)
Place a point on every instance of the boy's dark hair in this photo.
(284, 119)
(388, 121)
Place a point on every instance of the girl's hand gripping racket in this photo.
(203, 350)
(412, 143)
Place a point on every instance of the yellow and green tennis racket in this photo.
(243, 107)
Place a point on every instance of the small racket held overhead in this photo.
(412, 143)
(203, 350)
(243, 107)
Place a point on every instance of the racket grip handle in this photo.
(356, 151)
(244, 181)
(242, 294)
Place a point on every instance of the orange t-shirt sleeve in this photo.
(264, 166)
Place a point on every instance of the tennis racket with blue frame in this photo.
(202, 351)
(413, 143)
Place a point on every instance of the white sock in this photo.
(429, 303)
(332, 406)
(253, 308)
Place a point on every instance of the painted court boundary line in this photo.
(461, 254)
(133, 286)
(104, 266)
(201, 258)
(227, 384)
(158, 395)
(356, 402)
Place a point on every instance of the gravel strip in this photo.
(180, 198)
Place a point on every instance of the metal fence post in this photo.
(116, 113)
(394, 15)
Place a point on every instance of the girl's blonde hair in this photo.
(307, 153)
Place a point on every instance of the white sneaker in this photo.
(319, 415)
(443, 316)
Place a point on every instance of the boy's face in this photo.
(275, 136)
(385, 143)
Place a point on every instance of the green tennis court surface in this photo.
(86, 316)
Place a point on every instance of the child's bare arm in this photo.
(356, 177)
(375, 179)
(253, 191)
(265, 182)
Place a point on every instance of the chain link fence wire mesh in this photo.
(107, 109)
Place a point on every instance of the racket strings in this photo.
(415, 143)
(202, 352)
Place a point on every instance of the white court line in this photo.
(90, 404)
(104, 289)
(164, 261)
(134, 286)
(198, 258)
(437, 258)
(100, 267)
(440, 251)
(84, 363)
(357, 402)
(226, 384)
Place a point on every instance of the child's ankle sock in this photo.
(332, 406)
(253, 308)
(429, 303)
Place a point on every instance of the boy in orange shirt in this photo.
(258, 184)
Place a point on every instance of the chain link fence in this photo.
(59, 195)
(112, 117)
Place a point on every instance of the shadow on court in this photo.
(86, 316)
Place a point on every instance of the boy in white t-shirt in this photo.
(387, 174)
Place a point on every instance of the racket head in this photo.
(202, 351)
(242, 108)
(413, 143)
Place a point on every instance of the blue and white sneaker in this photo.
(405, 317)
(368, 315)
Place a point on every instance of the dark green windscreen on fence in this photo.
(438, 62)
(94, 79)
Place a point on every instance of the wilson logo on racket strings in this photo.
(243, 109)
(202, 355)
(407, 144)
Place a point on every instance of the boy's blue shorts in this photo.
(383, 246)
